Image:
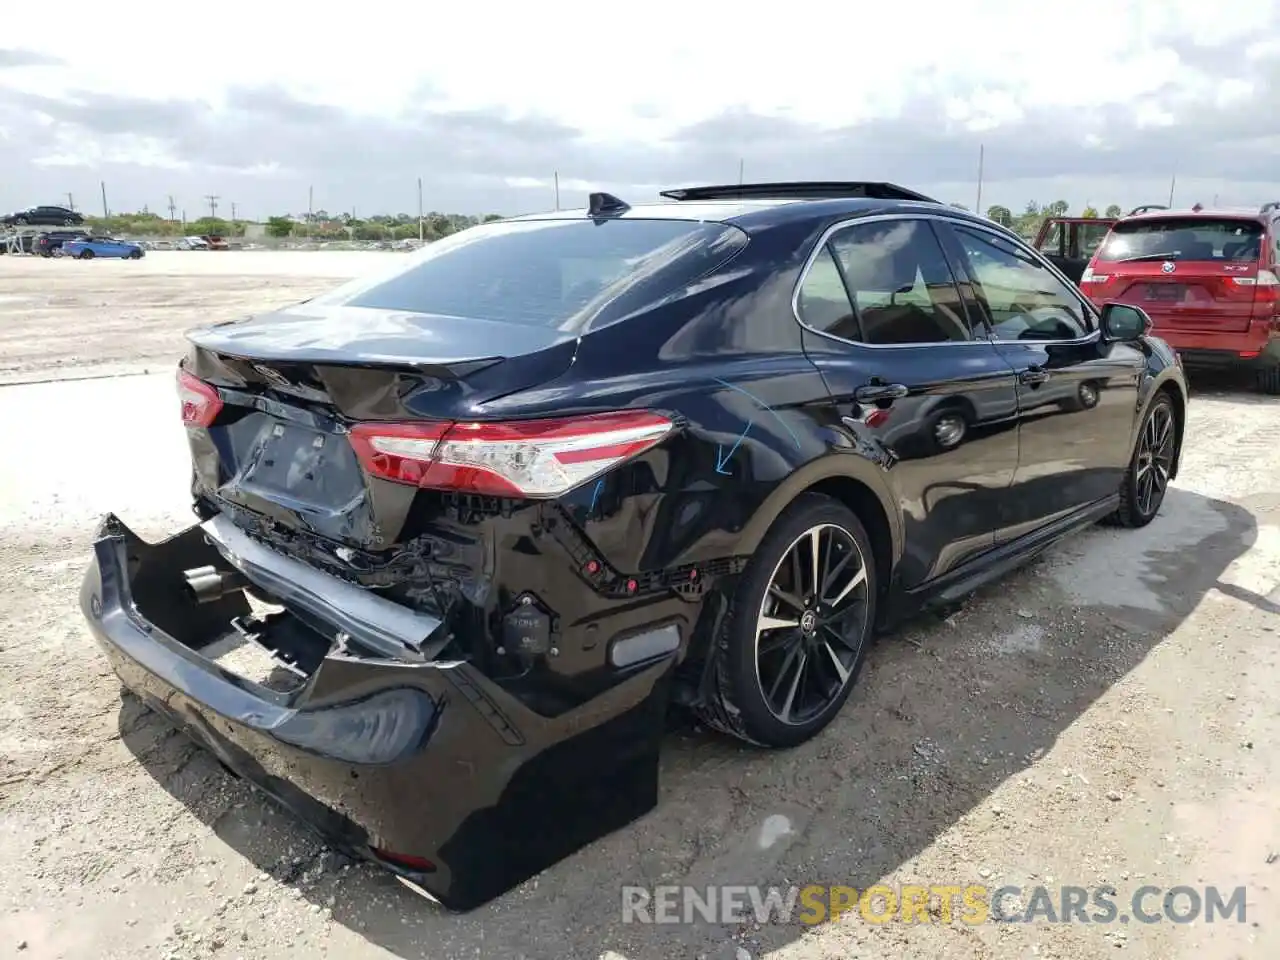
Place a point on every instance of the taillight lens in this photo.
(200, 401)
(530, 458)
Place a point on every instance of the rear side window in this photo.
(1184, 238)
(557, 273)
(896, 279)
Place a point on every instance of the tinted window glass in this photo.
(1184, 238)
(824, 303)
(547, 272)
(1053, 240)
(901, 285)
(1091, 236)
(1026, 301)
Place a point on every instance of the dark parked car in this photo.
(43, 217)
(501, 509)
(48, 243)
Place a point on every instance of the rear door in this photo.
(1076, 394)
(1196, 273)
(887, 326)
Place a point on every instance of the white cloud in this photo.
(629, 81)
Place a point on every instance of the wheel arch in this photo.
(1162, 382)
(858, 486)
(1179, 401)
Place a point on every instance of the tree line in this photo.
(322, 225)
(1027, 223)
(318, 226)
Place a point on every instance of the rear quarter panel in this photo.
(726, 359)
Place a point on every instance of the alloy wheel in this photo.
(1155, 459)
(812, 624)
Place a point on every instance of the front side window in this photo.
(1053, 240)
(1026, 300)
(898, 284)
(1091, 237)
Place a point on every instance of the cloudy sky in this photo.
(256, 102)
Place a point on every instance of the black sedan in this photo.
(43, 216)
(502, 509)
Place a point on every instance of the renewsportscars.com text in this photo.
(937, 903)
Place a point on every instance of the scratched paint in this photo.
(763, 406)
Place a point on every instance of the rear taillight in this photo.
(1264, 279)
(200, 401)
(531, 458)
(1090, 277)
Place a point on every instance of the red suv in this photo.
(1208, 279)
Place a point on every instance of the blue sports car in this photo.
(90, 247)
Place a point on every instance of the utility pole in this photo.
(556, 175)
(71, 204)
(1173, 181)
(213, 204)
(311, 195)
(103, 185)
(173, 207)
(982, 150)
(741, 167)
(420, 230)
(233, 213)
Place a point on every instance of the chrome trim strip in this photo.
(957, 221)
(381, 624)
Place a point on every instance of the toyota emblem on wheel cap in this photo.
(1167, 266)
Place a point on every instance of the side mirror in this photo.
(1122, 323)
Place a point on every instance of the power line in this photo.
(213, 204)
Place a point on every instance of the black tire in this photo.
(20, 222)
(738, 703)
(86, 254)
(1159, 427)
(1269, 381)
(68, 223)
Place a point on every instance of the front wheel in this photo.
(800, 623)
(1147, 479)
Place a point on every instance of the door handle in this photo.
(1034, 376)
(880, 392)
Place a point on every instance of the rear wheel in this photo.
(799, 626)
(86, 254)
(1269, 381)
(1147, 479)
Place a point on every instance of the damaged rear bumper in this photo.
(426, 767)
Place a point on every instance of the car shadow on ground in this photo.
(1238, 385)
(946, 711)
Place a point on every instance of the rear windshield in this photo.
(547, 272)
(1189, 238)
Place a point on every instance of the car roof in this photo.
(1194, 213)
(761, 213)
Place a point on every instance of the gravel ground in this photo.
(1106, 715)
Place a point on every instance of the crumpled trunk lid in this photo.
(293, 382)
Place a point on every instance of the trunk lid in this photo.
(1195, 295)
(291, 383)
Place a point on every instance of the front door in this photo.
(888, 328)
(1076, 394)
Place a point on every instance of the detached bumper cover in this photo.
(429, 762)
